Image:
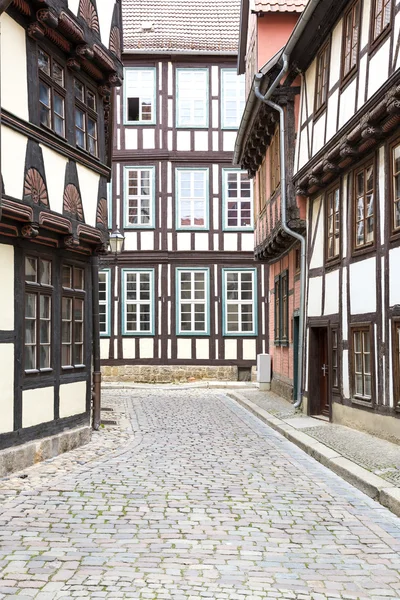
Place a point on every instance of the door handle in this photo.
(324, 370)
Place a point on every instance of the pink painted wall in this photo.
(273, 31)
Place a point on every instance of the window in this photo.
(109, 205)
(51, 93)
(38, 315)
(332, 223)
(192, 97)
(233, 98)
(335, 358)
(239, 302)
(192, 313)
(382, 13)
(275, 161)
(362, 363)
(140, 90)
(321, 87)
(396, 188)
(138, 298)
(238, 200)
(72, 317)
(192, 198)
(281, 324)
(139, 196)
(350, 39)
(104, 301)
(396, 362)
(262, 181)
(364, 206)
(85, 118)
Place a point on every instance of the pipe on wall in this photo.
(96, 417)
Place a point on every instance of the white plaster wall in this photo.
(215, 113)
(336, 51)
(314, 305)
(332, 293)
(202, 349)
(147, 240)
(344, 305)
(215, 209)
(149, 137)
(14, 87)
(396, 36)
(105, 9)
(381, 194)
(170, 77)
(131, 139)
(319, 133)
(345, 374)
(249, 349)
(184, 348)
(7, 387)
(230, 349)
(247, 242)
(365, 23)
(394, 278)
(347, 103)
(13, 151)
(229, 141)
(201, 141)
(37, 406)
(201, 241)
(72, 398)
(183, 140)
(215, 141)
(317, 258)
(183, 240)
(130, 240)
(55, 166)
(378, 68)
(73, 6)
(129, 347)
(7, 287)
(146, 348)
(363, 286)
(214, 80)
(104, 348)
(332, 109)
(89, 187)
(362, 69)
(230, 242)
(216, 241)
(303, 149)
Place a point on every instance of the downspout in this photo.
(96, 345)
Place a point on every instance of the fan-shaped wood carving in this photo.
(35, 187)
(102, 213)
(115, 41)
(88, 12)
(73, 203)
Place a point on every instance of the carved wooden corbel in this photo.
(36, 31)
(73, 64)
(85, 51)
(48, 17)
(31, 230)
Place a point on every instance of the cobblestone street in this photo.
(194, 498)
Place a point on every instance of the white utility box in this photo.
(264, 371)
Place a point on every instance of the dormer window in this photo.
(51, 93)
(85, 118)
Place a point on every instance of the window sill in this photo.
(319, 112)
(347, 79)
(375, 44)
(193, 333)
(138, 334)
(72, 367)
(366, 249)
(239, 229)
(193, 229)
(192, 126)
(136, 227)
(361, 401)
(236, 334)
(140, 123)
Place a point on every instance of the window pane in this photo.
(30, 269)
(66, 309)
(43, 62)
(133, 109)
(58, 74)
(30, 306)
(79, 90)
(30, 357)
(30, 331)
(66, 356)
(67, 276)
(44, 357)
(91, 100)
(45, 272)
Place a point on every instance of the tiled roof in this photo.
(181, 25)
(280, 5)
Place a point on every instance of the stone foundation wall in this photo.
(282, 388)
(168, 374)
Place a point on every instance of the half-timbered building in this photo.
(59, 62)
(185, 298)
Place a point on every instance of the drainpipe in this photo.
(96, 344)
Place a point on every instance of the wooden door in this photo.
(323, 370)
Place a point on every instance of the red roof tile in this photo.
(181, 25)
(280, 5)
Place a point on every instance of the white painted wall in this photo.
(7, 287)
(183, 140)
(13, 152)
(317, 257)
(131, 139)
(149, 137)
(72, 398)
(332, 293)
(347, 103)
(336, 52)
(183, 240)
(394, 278)
(378, 68)
(105, 9)
(249, 349)
(130, 240)
(147, 240)
(319, 133)
(55, 166)
(229, 138)
(184, 348)
(128, 347)
(201, 241)
(363, 286)
(230, 349)
(89, 187)
(104, 348)
(7, 386)
(314, 304)
(14, 98)
(201, 141)
(203, 349)
(37, 406)
(230, 242)
(146, 348)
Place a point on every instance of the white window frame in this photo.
(138, 302)
(239, 302)
(194, 91)
(139, 198)
(131, 93)
(193, 301)
(192, 199)
(106, 302)
(237, 87)
(239, 201)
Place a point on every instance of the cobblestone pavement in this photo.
(197, 499)
(378, 456)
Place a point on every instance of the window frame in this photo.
(106, 303)
(331, 192)
(325, 51)
(225, 200)
(151, 331)
(38, 290)
(141, 122)
(193, 333)
(178, 225)
(275, 161)
(334, 333)
(89, 113)
(364, 327)
(394, 231)
(366, 247)
(346, 77)
(192, 125)
(241, 81)
(281, 312)
(54, 87)
(254, 302)
(375, 42)
(396, 361)
(152, 203)
(79, 294)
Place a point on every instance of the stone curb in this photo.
(377, 488)
(235, 385)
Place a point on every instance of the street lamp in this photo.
(116, 241)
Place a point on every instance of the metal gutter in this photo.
(134, 52)
(244, 24)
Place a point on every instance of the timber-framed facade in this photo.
(60, 61)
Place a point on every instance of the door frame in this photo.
(313, 381)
